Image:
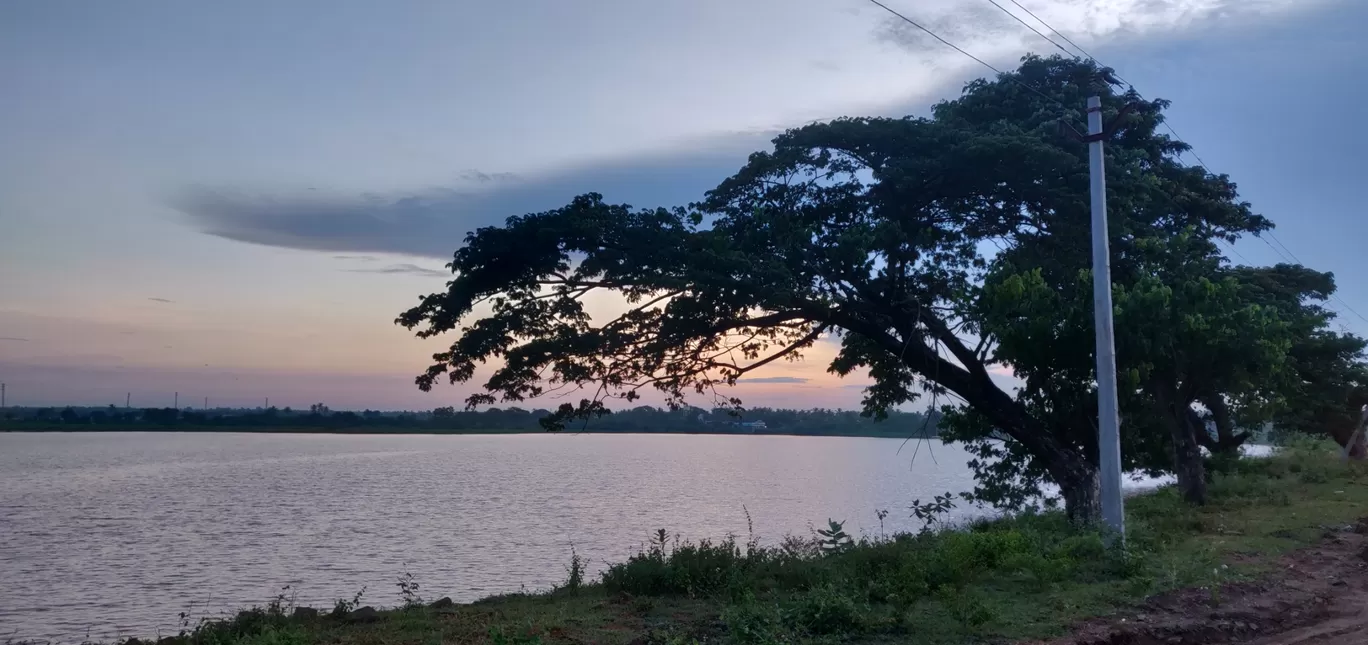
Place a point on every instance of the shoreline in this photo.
(381, 431)
(1009, 579)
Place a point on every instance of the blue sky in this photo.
(234, 200)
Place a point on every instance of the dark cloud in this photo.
(482, 177)
(794, 380)
(405, 268)
(162, 300)
(434, 222)
(12, 338)
(357, 258)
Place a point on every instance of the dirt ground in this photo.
(1319, 596)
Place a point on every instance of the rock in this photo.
(442, 603)
(364, 615)
(304, 613)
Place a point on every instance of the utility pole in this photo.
(177, 401)
(2, 395)
(206, 404)
(1108, 419)
(127, 399)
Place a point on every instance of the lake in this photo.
(114, 534)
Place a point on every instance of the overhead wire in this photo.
(1037, 31)
(1289, 256)
(1052, 29)
(957, 48)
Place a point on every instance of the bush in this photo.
(754, 623)
(689, 569)
(827, 610)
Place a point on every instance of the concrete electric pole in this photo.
(1108, 419)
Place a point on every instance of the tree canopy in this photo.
(930, 249)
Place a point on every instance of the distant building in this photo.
(750, 426)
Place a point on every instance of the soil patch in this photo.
(1317, 596)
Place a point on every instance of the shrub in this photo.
(755, 623)
(826, 610)
(689, 569)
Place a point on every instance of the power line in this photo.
(1236, 251)
(1288, 257)
(1000, 73)
(1052, 29)
(1273, 237)
(1037, 31)
(958, 49)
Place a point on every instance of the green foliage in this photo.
(686, 569)
(868, 231)
(497, 636)
(574, 572)
(828, 609)
(344, 606)
(930, 513)
(834, 539)
(756, 623)
(408, 590)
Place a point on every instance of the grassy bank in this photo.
(994, 581)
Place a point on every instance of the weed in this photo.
(343, 607)
(497, 636)
(688, 569)
(834, 538)
(408, 589)
(827, 610)
(755, 623)
(966, 607)
(574, 572)
(752, 542)
(930, 513)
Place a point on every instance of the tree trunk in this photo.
(1228, 440)
(1081, 492)
(1357, 446)
(1075, 474)
(1188, 465)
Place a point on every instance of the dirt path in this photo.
(1318, 597)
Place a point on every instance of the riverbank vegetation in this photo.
(1028, 576)
(319, 418)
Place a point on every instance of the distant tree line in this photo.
(319, 418)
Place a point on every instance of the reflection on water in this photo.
(108, 534)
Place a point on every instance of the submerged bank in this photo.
(1029, 577)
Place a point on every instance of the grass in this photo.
(1023, 577)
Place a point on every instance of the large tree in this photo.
(873, 233)
(1326, 383)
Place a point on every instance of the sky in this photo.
(234, 200)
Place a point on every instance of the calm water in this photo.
(114, 534)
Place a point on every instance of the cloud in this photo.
(357, 258)
(434, 222)
(405, 268)
(775, 379)
(162, 300)
(12, 338)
